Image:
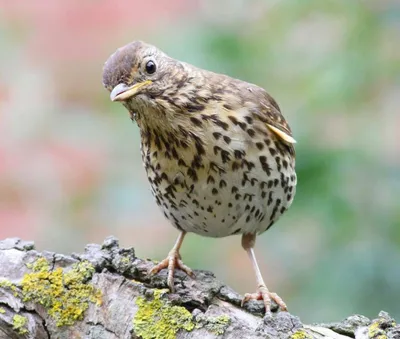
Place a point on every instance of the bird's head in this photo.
(141, 76)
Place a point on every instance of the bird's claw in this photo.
(264, 294)
(171, 262)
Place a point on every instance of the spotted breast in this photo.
(222, 170)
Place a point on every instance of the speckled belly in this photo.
(246, 193)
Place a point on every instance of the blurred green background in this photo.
(70, 166)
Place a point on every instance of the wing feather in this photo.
(272, 116)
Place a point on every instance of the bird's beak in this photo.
(122, 92)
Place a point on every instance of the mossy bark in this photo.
(106, 293)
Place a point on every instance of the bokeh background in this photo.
(70, 166)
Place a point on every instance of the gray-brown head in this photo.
(140, 75)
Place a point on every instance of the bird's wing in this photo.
(270, 114)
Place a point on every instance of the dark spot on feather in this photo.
(251, 132)
(217, 135)
(242, 125)
(210, 179)
(225, 156)
(191, 107)
(233, 119)
(181, 163)
(221, 124)
(227, 139)
(192, 174)
(216, 168)
(249, 119)
(239, 154)
(195, 121)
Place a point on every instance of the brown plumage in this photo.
(217, 151)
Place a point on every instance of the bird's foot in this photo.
(172, 261)
(264, 294)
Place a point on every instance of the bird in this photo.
(217, 151)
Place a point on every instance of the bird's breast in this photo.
(219, 181)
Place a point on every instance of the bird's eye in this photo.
(150, 67)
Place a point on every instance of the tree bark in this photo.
(106, 293)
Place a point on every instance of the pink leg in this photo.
(172, 261)
(248, 242)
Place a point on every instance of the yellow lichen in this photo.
(125, 260)
(158, 319)
(19, 324)
(7, 284)
(2, 310)
(65, 294)
(136, 282)
(40, 265)
(300, 334)
(217, 325)
(375, 332)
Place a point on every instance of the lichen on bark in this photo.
(65, 294)
(157, 318)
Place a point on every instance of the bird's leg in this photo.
(172, 261)
(248, 242)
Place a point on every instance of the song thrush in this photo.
(217, 151)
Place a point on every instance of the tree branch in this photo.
(106, 293)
